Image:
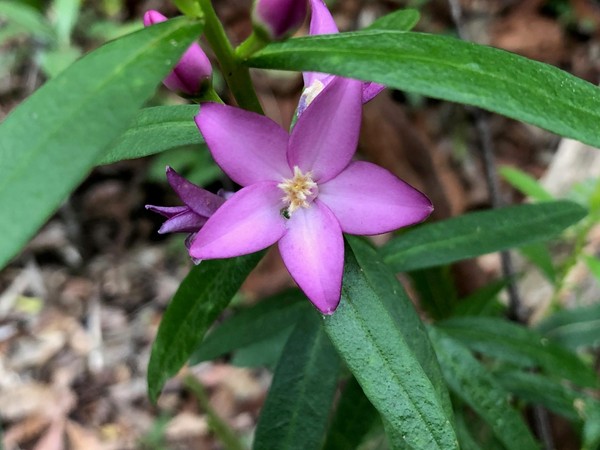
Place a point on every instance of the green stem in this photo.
(250, 46)
(219, 427)
(236, 75)
(208, 95)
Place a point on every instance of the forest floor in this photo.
(80, 306)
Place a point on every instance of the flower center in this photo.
(300, 191)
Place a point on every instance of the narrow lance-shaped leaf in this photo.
(26, 18)
(449, 69)
(474, 385)
(383, 342)
(354, 417)
(478, 233)
(295, 413)
(50, 142)
(541, 390)
(155, 130)
(574, 328)
(203, 294)
(526, 184)
(519, 345)
(252, 324)
(401, 20)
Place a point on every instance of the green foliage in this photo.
(401, 20)
(155, 130)
(296, 410)
(384, 344)
(50, 142)
(253, 324)
(576, 328)
(354, 417)
(478, 233)
(201, 297)
(526, 184)
(471, 382)
(450, 69)
(519, 346)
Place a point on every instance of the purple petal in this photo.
(201, 201)
(151, 17)
(326, 134)
(279, 18)
(367, 199)
(248, 222)
(321, 22)
(248, 147)
(370, 90)
(167, 211)
(188, 74)
(313, 252)
(185, 222)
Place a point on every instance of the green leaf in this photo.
(593, 264)
(436, 290)
(50, 141)
(470, 381)
(203, 294)
(354, 417)
(483, 302)
(401, 20)
(384, 344)
(541, 390)
(526, 184)
(516, 344)
(65, 14)
(253, 324)
(574, 328)
(297, 407)
(264, 353)
(449, 69)
(478, 233)
(27, 18)
(539, 255)
(155, 130)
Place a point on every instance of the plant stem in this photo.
(220, 428)
(208, 95)
(236, 75)
(250, 46)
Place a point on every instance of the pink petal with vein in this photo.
(326, 134)
(321, 22)
(248, 147)
(367, 199)
(248, 222)
(313, 252)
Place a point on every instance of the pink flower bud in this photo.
(193, 69)
(278, 18)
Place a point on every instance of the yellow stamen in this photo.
(300, 190)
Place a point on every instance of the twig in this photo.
(540, 415)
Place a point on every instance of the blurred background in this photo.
(79, 307)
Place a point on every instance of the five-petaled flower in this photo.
(302, 189)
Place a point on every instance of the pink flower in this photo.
(199, 206)
(277, 19)
(192, 72)
(301, 189)
(321, 22)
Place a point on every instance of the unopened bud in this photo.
(277, 19)
(192, 72)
